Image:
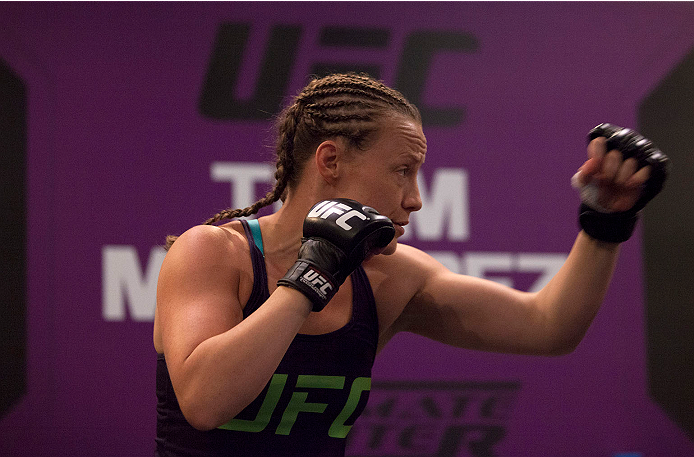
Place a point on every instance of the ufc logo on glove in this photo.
(328, 207)
(331, 248)
(315, 281)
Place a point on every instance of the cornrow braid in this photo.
(329, 91)
(349, 105)
(339, 117)
(363, 84)
(339, 103)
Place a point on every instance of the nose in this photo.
(412, 200)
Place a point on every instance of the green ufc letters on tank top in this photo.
(298, 404)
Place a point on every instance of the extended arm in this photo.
(479, 314)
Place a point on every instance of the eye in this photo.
(404, 171)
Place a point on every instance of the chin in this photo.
(390, 249)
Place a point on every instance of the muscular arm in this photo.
(479, 314)
(218, 362)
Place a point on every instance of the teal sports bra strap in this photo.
(257, 237)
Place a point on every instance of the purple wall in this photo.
(120, 153)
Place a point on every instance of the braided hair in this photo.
(348, 105)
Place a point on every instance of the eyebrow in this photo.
(410, 134)
(416, 139)
(414, 156)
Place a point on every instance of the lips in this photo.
(399, 228)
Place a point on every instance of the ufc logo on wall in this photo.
(219, 100)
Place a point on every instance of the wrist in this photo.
(607, 227)
(296, 298)
(317, 285)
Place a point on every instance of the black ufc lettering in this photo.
(218, 101)
(13, 236)
(420, 48)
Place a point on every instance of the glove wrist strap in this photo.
(317, 285)
(608, 227)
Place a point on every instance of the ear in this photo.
(329, 155)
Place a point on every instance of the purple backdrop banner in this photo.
(147, 118)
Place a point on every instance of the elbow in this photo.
(204, 415)
(201, 425)
(200, 418)
(562, 345)
(557, 351)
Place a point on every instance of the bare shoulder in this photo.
(205, 254)
(407, 265)
(209, 241)
(397, 278)
(409, 256)
(200, 288)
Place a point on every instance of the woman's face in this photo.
(385, 175)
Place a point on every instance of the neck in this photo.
(283, 229)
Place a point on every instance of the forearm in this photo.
(572, 298)
(227, 372)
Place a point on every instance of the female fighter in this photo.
(267, 329)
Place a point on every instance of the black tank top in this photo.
(306, 409)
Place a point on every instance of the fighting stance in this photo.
(267, 330)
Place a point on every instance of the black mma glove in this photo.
(616, 227)
(338, 235)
